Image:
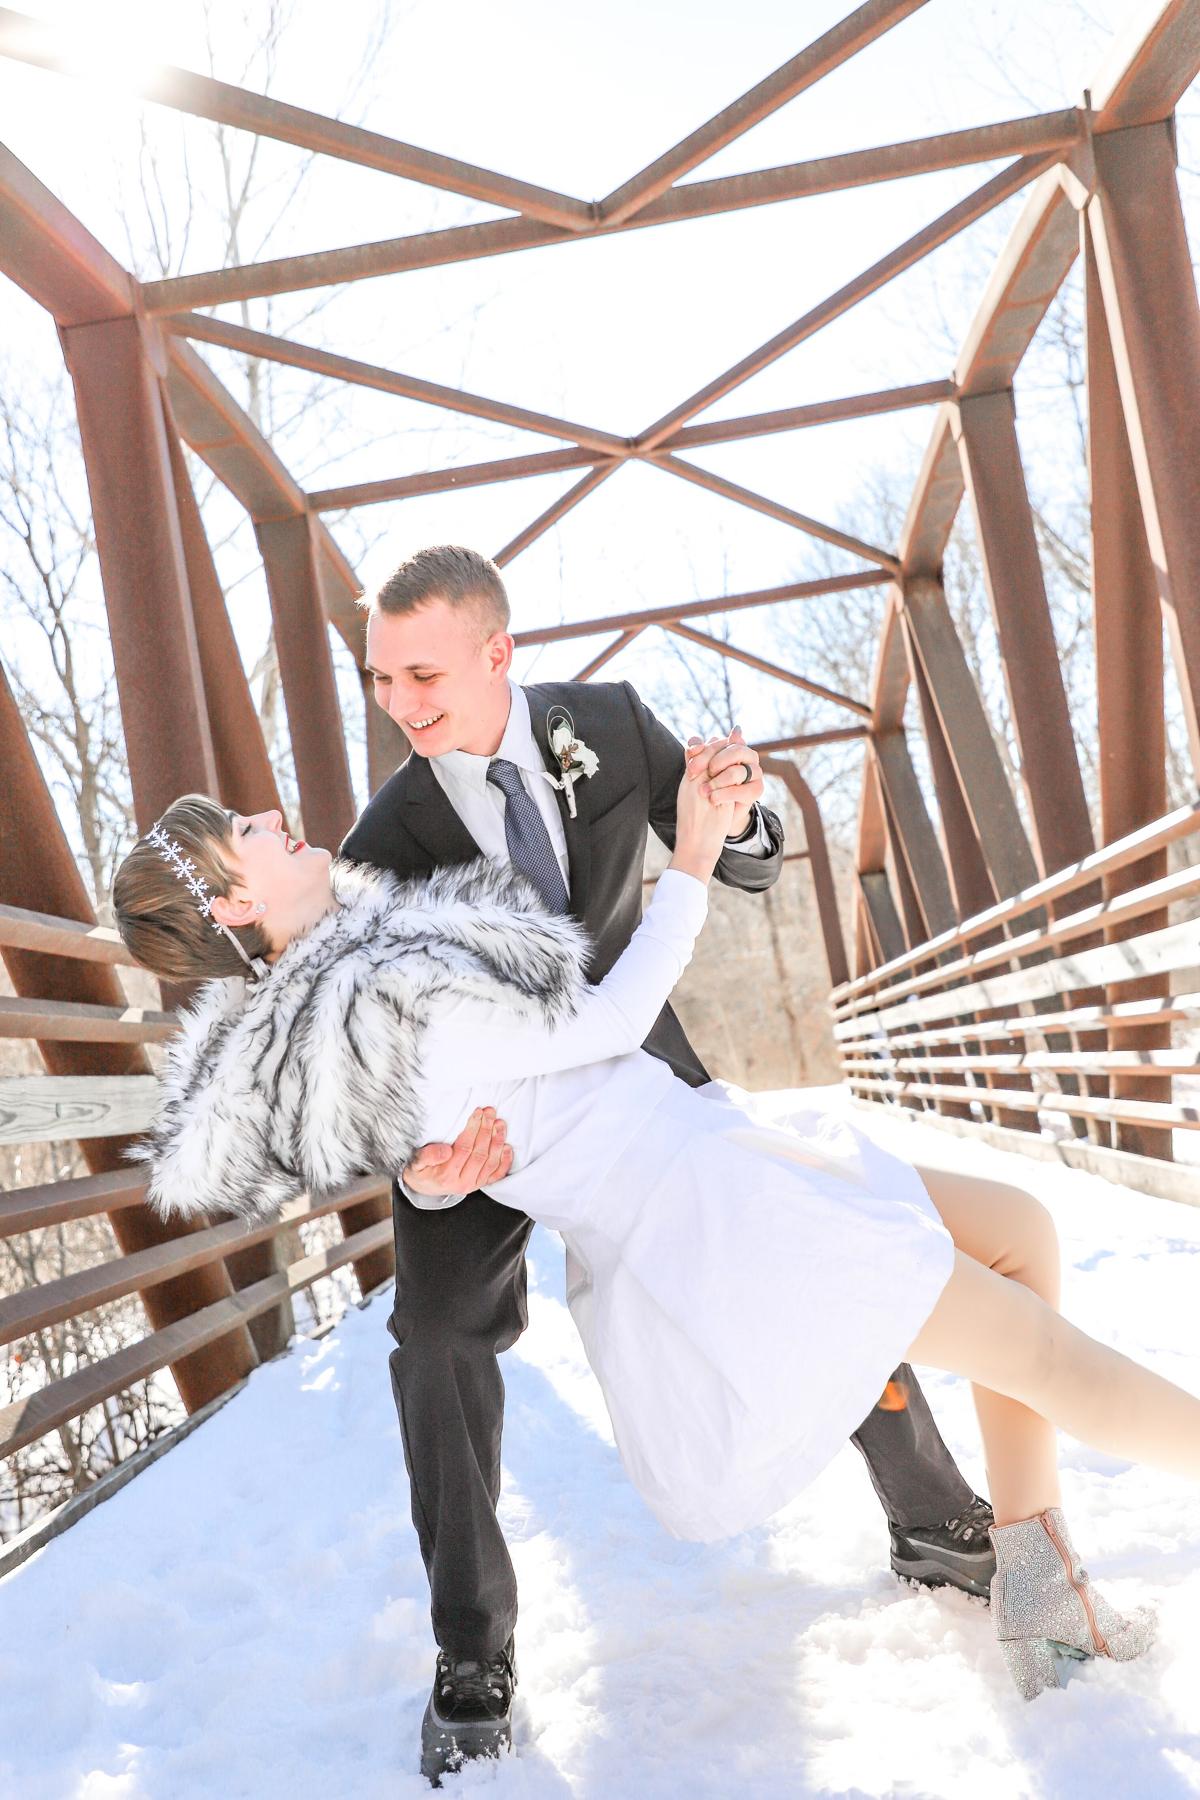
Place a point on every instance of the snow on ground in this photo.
(249, 1616)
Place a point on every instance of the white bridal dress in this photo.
(744, 1290)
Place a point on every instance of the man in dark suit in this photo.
(562, 781)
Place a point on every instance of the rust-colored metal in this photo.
(817, 412)
(830, 50)
(850, 583)
(443, 481)
(606, 655)
(729, 490)
(32, 41)
(1129, 691)
(1062, 830)
(245, 778)
(203, 329)
(554, 513)
(769, 668)
(38, 870)
(1145, 275)
(120, 409)
(818, 856)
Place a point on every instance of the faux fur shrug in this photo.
(307, 1079)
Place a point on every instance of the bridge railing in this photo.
(1078, 997)
(184, 1315)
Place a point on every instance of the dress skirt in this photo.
(744, 1291)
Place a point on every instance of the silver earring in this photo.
(261, 907)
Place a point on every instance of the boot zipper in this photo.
(1098, 1639)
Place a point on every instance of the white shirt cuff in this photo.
(760, 844)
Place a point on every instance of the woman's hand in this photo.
(703, 822)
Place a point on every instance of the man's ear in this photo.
(500, 652)
(235, 908)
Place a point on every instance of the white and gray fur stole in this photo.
(308, 1079)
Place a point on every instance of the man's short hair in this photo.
(446, 572)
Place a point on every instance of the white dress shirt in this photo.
(462, 777)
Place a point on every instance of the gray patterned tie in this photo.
(529, 843)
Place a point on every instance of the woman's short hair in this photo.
(157, 914)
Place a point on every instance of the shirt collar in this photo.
(516, 746)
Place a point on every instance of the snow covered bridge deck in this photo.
(249, 1616)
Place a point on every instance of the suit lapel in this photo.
(430, 818)
(576, 830)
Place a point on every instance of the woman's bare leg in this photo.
(1010, 1232)
(1009, 1341)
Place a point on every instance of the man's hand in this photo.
(727, 763)
(478, 1157)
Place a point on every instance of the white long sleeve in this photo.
(472, 1042)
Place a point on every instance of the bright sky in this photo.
(612, 333)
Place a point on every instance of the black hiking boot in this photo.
(957, 1554)
(469, 1712)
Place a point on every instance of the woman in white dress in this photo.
(713, 1256)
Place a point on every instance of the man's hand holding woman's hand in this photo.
(703, 820)
(729, 768)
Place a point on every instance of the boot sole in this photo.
(445, 1748)
(928, 1572)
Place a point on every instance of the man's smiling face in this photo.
(441, 676)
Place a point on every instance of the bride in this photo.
(713, 1257)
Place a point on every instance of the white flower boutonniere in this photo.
(570, 753)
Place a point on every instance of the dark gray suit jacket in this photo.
(411, 828)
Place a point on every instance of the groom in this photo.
(439, 652)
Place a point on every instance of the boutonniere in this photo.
(570, 753)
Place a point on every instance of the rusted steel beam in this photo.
(818, 412)
(31, 41)
(245, 778)
(768, 668)
(1030, 136)
(563, 505)
(225, 437)
(1145, 275)
(606, 655)
(387, 746)
(46, 251)
(886, 929)
(442, 481)
(912, 830)
(1012, 572)
(126, 454)
(818, 856)
(809, 740)
(698, 609)
(828, 52)
(501, 237)
(38, 869)
(1129, 689)
(390, 381)
(976, 205)
(980, 774)
(729, 490)
(889, 679)
(1149, 67)
(307, 677)
(1032, 266)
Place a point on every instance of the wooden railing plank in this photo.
(55, 1202)
(51, 1109)
(71, 1295)
(24, 930)
(1157, 952)
(1161, 832)
(1145, 1112)
(76, 1021)
(32, 1416)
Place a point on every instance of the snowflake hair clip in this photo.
(186, 871)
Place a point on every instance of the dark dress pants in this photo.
(460, 1300)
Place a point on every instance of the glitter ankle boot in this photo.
(1045, 1607)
